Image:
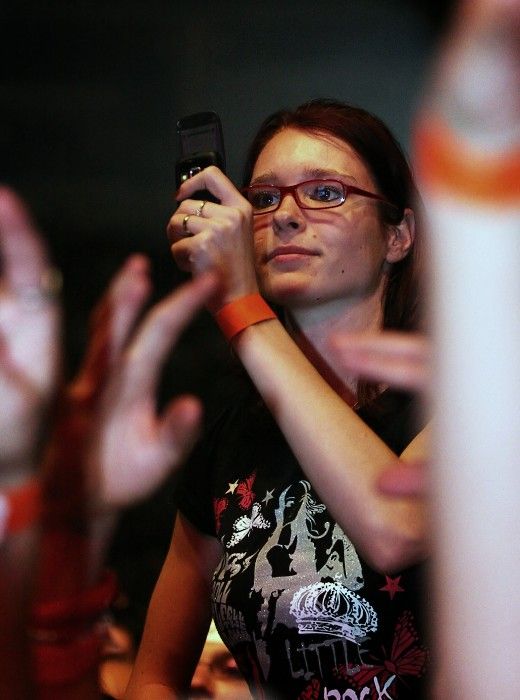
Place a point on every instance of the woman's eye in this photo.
(326, 193)
(261, 199)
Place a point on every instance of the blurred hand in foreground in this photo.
(401, 360)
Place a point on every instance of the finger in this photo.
(119, 306)
(400, 373)
(399, 359)
(385, 344)
(131, 289)
(183, 225)
(474, 15)
(186, 222)
(176, 433)
(197, 256)
(158, 334)
(199, 208)
(24, 255)
(183, 254)
(214, 180)
(404, 479)
(113, 321)
(180, 428)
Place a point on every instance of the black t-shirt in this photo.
(302, 614)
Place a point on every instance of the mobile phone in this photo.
(201, 143)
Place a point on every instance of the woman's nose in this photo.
(288, 217)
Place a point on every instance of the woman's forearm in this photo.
(178, 617)
(340, 454)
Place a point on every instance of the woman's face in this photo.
(306, 256)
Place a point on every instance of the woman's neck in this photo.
(311, 328)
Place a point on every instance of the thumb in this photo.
(180, 427)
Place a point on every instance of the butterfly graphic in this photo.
(244, 525)
(219, 506)
(407, 658)
(245, 491)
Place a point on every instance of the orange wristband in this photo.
(450, 163)
(234, 317)
(20, 507)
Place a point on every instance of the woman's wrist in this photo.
(239, 314)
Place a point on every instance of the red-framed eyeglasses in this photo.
(310, 194)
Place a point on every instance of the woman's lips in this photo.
(289, 252)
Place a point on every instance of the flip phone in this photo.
(201, 144)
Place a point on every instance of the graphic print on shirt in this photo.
(407, 657)
(242, 526)
(302, 573)
(234, 564)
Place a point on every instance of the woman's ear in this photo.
(400, 237)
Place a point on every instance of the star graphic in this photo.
(268, 496)
(232, 487)
(392, 586)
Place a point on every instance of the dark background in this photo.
(90, 93)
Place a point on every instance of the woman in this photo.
(309, 570)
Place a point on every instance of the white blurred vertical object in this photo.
(471, 187)
(476, 269)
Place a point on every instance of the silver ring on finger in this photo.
(185, 225)
(201, 206)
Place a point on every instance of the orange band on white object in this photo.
(241, 313)
(452, 164)
(68, 634)
(20, 507)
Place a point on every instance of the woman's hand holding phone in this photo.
(217, 237)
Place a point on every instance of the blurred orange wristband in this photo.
(448, 162)
(67, 634)
(241, 313)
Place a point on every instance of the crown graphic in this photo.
(328, 607)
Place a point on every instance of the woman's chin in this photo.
(289, 293)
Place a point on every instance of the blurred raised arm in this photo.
(29, 364)
(109, 448)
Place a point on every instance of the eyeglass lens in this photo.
(311, 194)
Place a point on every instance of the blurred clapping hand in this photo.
(30, 347)
(397, 359)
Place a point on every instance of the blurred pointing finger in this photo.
(24, 255)
(159, 332)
